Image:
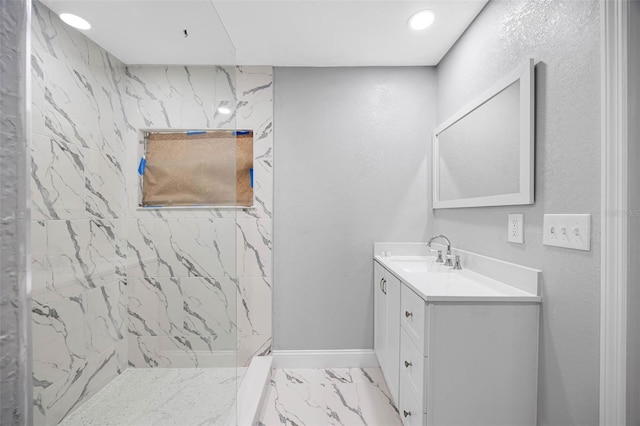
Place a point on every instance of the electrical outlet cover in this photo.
(515, 228)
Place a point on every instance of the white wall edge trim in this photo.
(252, 390)
(613, 283)
(347, 358)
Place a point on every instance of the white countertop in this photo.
(435, 282)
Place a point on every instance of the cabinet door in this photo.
(380, 315)
(392, 354)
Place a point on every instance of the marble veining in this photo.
(254, 318)
(104, 180)
(338, 396)
(254, 249)
(187, 321)
(57, 179)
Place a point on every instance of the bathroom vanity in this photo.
(457, 347)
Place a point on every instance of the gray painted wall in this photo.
(633, 306)
(15, 369)
(564, 39)
(352, 151)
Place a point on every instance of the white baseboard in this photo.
(252, 390)
(347, 358)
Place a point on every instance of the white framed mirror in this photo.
(484, 154)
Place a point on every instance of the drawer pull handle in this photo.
(407, 364)
(408, 314)
(406, 413)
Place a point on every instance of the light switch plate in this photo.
(571, 231)
(515, 228)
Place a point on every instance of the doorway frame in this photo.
(615, 205)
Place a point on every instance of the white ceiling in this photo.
(266, 32)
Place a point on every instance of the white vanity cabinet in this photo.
(464, 360)
(387, 326)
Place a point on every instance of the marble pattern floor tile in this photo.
(322, 397)
(163, 396)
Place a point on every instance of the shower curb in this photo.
(252, 390)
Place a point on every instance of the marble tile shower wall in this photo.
(115, 286)
(78, 208)
(200, 279)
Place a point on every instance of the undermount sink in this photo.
(419, 264)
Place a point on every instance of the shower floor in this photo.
(163, 396)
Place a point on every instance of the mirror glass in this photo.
(483, 154)
(479, 158)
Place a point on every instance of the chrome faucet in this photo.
(439, 260)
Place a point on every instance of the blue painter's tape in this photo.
(251, 174)
(196, 132)
(142, 166)
(241, 132)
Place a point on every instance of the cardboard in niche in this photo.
(205, 169)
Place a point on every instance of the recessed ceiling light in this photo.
(224, 110)
(422, 19)
(75, 21)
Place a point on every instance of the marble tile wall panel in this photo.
(79, 234)
(38, 256)
(59, 346)
(57, 179)
(155, 306)
(79, 346)
(210, 309)
(83, 254)
(180, 351)
(49, 36)
(226, 78)
(72, 115)
(105, 316)
(142, 254)
(197, 247)
(104, 184)
(171, 84)
(254, 247)
(254, 306)
(37, 93)
(254, 110)
(188, 319)
(262, 192)
(255, 107)
(82, 104)
(197, 114)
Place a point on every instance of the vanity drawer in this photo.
(414, 317)
(410, 411)
(412, 369)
